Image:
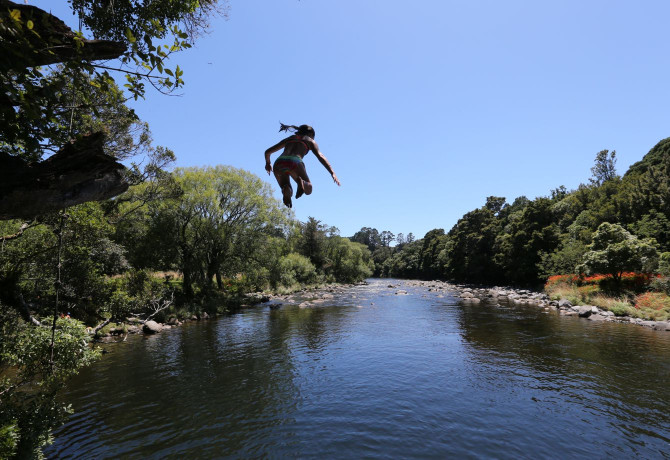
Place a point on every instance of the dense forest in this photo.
(525, 241)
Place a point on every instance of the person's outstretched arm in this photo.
(270, 151)
(324, 161)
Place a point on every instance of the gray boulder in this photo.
(564, 303)
(585, 311)
(151, 327)
(597, 318)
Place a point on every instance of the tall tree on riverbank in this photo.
(216, 227)
(614, 251)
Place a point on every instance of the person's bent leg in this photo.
(304, 185)
(284, 182)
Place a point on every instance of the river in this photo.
(371, 373)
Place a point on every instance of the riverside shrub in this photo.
(629, 280)
(589, 290)
(296, 268)
(653, 301)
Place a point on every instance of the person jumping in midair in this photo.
(289, 164)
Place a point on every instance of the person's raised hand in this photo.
(337, 181)
(268, 168)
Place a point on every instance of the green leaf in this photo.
(29, 25)
(130, 36)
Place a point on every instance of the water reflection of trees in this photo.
(626, 366)
(233, 379)
(311, 329)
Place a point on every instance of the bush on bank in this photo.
(636, 295)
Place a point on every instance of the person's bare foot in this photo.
(303, 187)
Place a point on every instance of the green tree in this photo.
(295, 269)
(141, 36)
(469, 252)
(386, 238)
(654, 225)
(664, 264)
(348, 261)
(369, 237)
(404, 263)
(615, 251)
(218, 226)
(31, 377)
(604, 168)
(432, 244)
(312, 244)
(528, 233)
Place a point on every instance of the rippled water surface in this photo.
(374, 374)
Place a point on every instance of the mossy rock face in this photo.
(653, 158)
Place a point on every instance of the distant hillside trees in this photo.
(528, 240)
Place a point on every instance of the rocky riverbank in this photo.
(305, 297)
(316, 296)
(310, 297)
(133, 325)
(473, 294)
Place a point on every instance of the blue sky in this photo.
(423, 108)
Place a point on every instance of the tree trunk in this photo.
(77, 173)
(187, 283)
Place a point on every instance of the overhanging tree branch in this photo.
(78, 173)
(37, 38)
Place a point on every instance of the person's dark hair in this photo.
(302, 130)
